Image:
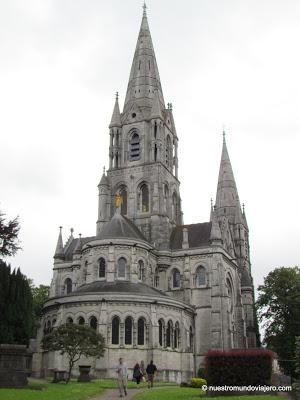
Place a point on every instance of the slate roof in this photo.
(198, 234)
(121, 227)
(118, 287)
(70, 249)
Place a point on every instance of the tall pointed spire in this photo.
(227, 199)
(116, 116)
(59, 251)
(144, 76)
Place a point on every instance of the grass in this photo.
(44, 390)
(181, 393)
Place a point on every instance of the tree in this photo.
(39, 296)
(279, 311)
(74, 341)
(15, 306)
(9, 243)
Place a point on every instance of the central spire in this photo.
(144, 77)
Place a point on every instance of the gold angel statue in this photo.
(118, 200)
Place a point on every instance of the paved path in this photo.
(110, 394)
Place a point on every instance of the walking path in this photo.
(110, 394)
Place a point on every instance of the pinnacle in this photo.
(116, 116)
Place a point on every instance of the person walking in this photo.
(137, 373)
(151, 370)
(122, 378)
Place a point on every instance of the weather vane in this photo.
(144, 8)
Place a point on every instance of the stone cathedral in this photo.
(154, 287)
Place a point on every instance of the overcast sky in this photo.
(232, 62)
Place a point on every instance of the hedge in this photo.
(238, 367)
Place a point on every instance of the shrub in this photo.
(184, 384)
(239, 367)
(197, 382)
(201, 373)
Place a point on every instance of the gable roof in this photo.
(198, 235)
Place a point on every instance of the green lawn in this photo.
(179, 393)
(44, 390)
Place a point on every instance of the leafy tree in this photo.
(9, 243)
(15, 306)
(74, 341)
(279, 311)
(39, 296)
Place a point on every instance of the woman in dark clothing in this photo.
(137, 374)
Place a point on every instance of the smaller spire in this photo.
(211, 209)
(244, 216)
(116, 116)
(103, 180)
(59, 251)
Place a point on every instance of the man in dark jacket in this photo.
(151, 370)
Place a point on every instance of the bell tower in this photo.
(143, 164)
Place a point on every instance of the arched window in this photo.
(53, 322)
(143, 198)
(102, 267)
(68, 285)
(69, 320)
(161, 328)
(141, 332)
(134, 147)
(169, 334)
(141, 270)
(115, 330)
(93, 322)
(128, 330)
(122, 268)
(176, 278)
(156, 278)
(169, 150)
(85, 270)
(81, 321)
(49, 327)
(174, 206)
(176, 336)
(123, 193)
(155, 152)
(166, 196)
(200, 276)
(191, 339)
(230, 295)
